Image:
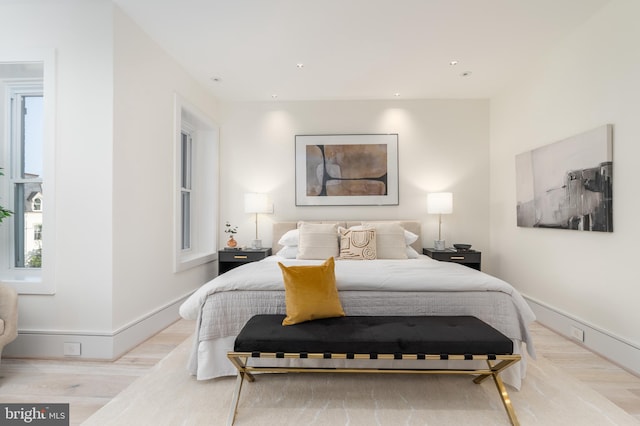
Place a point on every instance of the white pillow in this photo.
(411, 253)
(409, 237)
(390, 240)
(288, 252)
(317, 241)
(290, 238)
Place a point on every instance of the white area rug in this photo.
(168, 395)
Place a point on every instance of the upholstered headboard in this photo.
(279, 229)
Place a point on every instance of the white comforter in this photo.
(423, 274)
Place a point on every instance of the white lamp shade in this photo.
(440, 203)
(257, 203)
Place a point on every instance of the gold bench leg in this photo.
(502, 390)
(241, 363)
(505, 399)
(236, 398)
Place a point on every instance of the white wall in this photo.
(443, 145)
(589, 79)
(146, 80)
(82, 36)
(114, 121)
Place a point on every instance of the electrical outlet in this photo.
(71, 349)
(577, 334)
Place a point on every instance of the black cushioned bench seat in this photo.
(374, 334)
(421, 339)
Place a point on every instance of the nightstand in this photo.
(229, 259)
(470, 258)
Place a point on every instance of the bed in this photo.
(415, 285)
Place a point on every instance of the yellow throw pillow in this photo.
(310, 292)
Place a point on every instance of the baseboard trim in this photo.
(622, 352)
(50, 344)
(131, 335)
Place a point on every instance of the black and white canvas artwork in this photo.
(568, 184)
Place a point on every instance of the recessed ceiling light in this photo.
(274, 96)
(453, 63)
(465, 74)
(300, 65)
(397, 95)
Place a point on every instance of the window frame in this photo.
(203, 191)
(186, 186)
(32, 280)
(17, 91)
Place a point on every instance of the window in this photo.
(36, 205)
(185, 188)
(27, 101)
(37, 232)
(196, 196)
(26, 125)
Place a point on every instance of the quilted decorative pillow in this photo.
(317, 241)
(310, 292)
(357, 244)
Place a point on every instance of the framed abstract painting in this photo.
(346, 170)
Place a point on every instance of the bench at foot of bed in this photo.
(419, 338)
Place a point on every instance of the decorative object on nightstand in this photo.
(231, 230)
(229, 259)
(257, 203)
(440, 203)
(466, 257)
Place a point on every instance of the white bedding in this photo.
(379, 287)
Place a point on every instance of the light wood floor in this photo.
(85, 385)
(88, 385)
(614, 383)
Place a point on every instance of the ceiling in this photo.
(357, 49)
